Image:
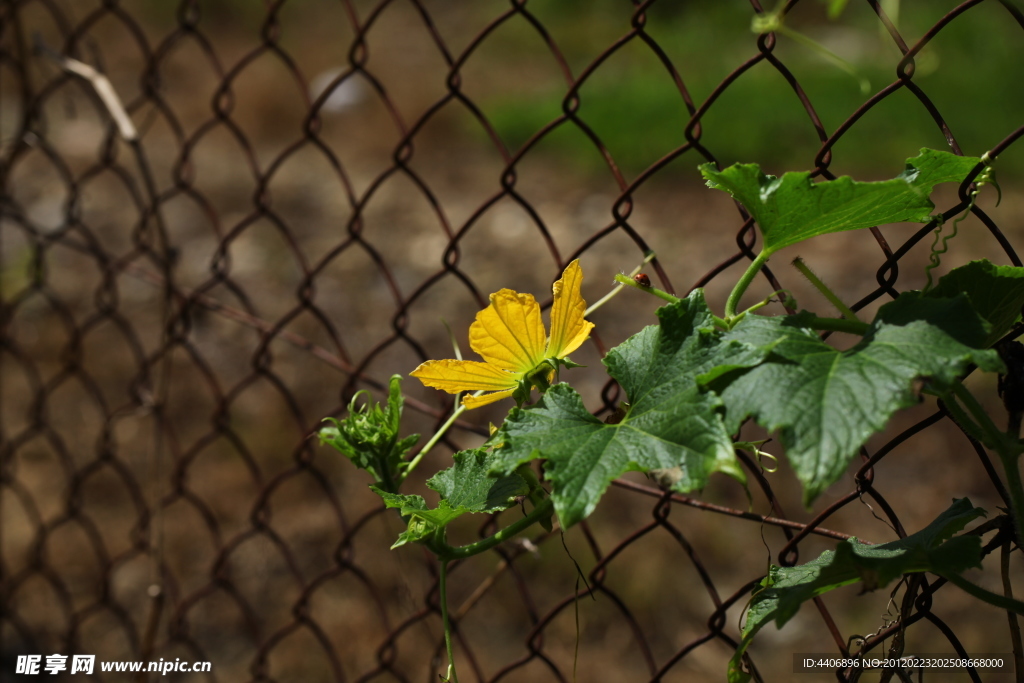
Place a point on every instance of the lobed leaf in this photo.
(933, 549)
(465, 487)
(794, 208)
(670, 423)
(825, 403)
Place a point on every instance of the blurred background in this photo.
(315, 190)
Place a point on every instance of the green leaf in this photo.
(423, 523)
(793, 208)
(996, 292)
(464, 487)
(369, 438)
(932, 549)
(670, 423)
(469, 485)
(825, 403)
(406, 504)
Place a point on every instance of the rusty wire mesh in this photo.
(180, 309)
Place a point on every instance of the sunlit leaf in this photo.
(825, 403)
(465, 487)
(794, 208)
(669, 422)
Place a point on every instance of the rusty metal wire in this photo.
(189, 287)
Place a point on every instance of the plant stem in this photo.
(434, 439)
(826, 292)
(767, 300)
(443, 588)
(660, 293)
(959, 415)
(618, 288)
(748, 276)
(988, 596)
(993, 436)
(1016, 491)
(446, 553)
(1015, 639)
(1009, 455)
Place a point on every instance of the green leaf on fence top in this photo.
(825, 403)
(670, 424)
(794, 208)
(468, 483)
(996, 292)
(932, 549)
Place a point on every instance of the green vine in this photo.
(692, 380)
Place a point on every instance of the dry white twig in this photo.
(104, 89)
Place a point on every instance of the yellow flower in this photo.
(509, 335)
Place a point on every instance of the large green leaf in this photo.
(825, 403)
(793, 208)
(930, 550)
(996, 292)
(670, 423)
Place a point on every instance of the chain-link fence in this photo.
(222, 219)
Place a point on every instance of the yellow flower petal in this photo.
(568, 328)
(509, 333)
(471, 401)
(454, 376)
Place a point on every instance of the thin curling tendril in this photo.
(935, 258)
